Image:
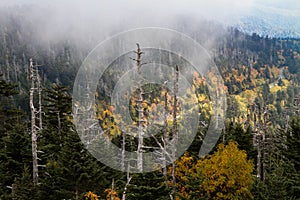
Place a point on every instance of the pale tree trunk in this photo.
(33, 125)
(265, 152)
(141, 120)
(261, 122)
(123, 151)
(40, 100)
(123, 164)
(258, 166)
(166, 134)
(174, 129)
(287, 120)
(127, 183)
(259, 143)
(112, 189)
(35, 84)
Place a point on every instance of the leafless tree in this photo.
(35, 84)
(174, 129)
(139, 102)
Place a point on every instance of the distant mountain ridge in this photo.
(271, 21)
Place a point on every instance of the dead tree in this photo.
(261, 138)
(139, 102)
(123, 163)
(265, 136)
(174, 129)
(287, 120)
(35, 84)
(39, 88)
(123, 150)
(127, 183)
(112, 189)
(166, 133)
(257, 139)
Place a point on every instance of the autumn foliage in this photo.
(226, 174)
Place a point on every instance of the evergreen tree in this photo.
(279, 182)
(148, 186)
(15, 141)
(70, 171)
(23, 187)
(292, 153)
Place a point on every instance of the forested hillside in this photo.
(257, 155)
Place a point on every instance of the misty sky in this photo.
(216, 9)
(225, 11)
(211, 8)
(104, 17)
(226, 4)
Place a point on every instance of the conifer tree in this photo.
(69, 170)
(292, 153)
(14, 140)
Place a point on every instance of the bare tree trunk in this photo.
(258, 169)
(33, 126)
(264, 165)
(40, 100)
(112, 189)
(257, 138)
(166, 135)
(261, 140)
(123, 151)
(174, 129)
(269, 138)
(141, 120)
(123, 165)
(287, 120)
(126, 185)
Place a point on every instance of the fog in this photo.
(94, 20)
(91, 21)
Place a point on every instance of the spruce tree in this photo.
(15, 141)
(69, 170)
(148, 186)
(292, 153)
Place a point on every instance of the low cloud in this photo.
(96, 20)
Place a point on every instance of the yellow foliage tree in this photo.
(111, 194)
(91, 196)
(226, 174)
(184, 167)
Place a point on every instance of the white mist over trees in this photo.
(93, 21)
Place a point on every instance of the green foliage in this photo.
(16, 147)
(292, 153)
(7, 89)
(148, 186)
(58, 106)
(243, 137)
(280, 183)
(293, 143)
(16, 153)
(23, 188)
(70, 171)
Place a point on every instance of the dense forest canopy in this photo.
(256, 157)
